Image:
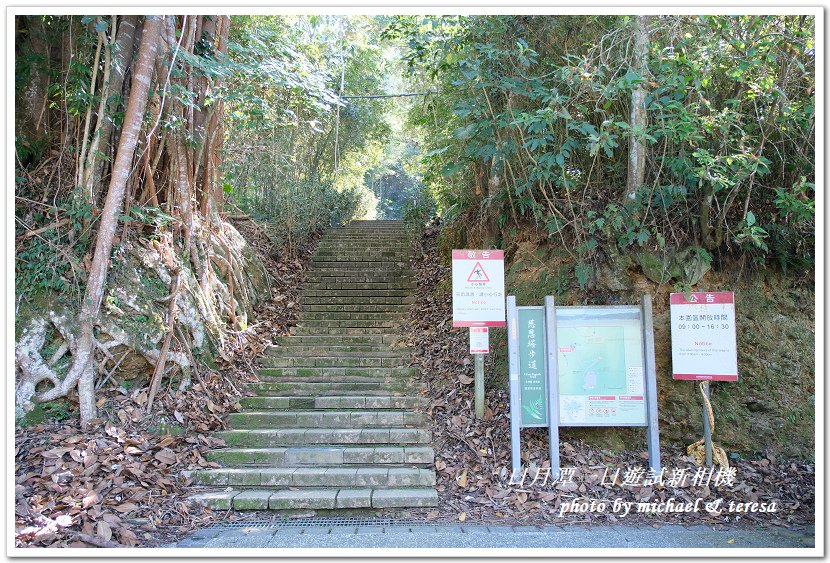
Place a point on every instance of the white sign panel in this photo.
(479, 340)
(703, 342)
(478, 288)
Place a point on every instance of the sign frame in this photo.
(698, 302)
(479, 340)
(643, 313)
(490, 312)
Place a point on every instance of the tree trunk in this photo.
(82, 369)
(637, 144)
(123, 52)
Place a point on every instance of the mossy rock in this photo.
(659, 267)
(693, 265)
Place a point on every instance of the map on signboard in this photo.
(601, 376)
(592, 360)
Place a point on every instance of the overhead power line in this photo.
(371, 96)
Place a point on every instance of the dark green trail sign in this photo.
(532, 352)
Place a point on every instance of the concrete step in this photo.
(400, 310)
(318, 498)
(356, 300)
(301, 436)
(328, 419)
(339, 286)
(339, 340)
(337, 419)
(378, 403)
(337, 330)
(336, 373)
(382, 326)
(344, 293)
(320, 476)
(315, 277)
(367, 350)
(327, 389)
(382, 315)
(416, 456)
(360, 359)
(290, 351)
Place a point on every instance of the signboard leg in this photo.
(479, 384)
(515, 396)
(552, 375)
(651, 386)
(707, 430)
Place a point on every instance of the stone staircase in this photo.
(336, 420)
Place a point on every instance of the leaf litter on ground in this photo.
(472, 457)
(122, 482)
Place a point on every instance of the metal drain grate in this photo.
(318, 522)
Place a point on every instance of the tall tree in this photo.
(638, 122)
(81, 372)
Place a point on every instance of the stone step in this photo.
(382, 315)
(343, 293)
(301, 436)
(291, 351)
(337, 420)
(388, 324)
(356, 300)
(400, 310)
(326, 389)
(358, 254)
(347, 269)
(339, 286)
(356, 360)
(377, 403)
(337, 330)
(339, 340)
(418, 456)
(328, 419)
(321, 476)
(314, 277)
(336, 373)
(318, 498)
(367, 350)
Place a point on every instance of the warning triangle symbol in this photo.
(478, 274)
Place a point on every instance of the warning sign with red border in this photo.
(478, 288)
(704, 346)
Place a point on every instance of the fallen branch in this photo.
(36, 232)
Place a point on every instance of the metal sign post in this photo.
(704, 344)
(478, 302)
(515, 398)
(552, 375)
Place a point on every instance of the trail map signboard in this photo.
(703, 343)
(600, 360)
(581, 366)
(478, 288)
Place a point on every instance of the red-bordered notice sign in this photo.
(704, 345)
(478, 288)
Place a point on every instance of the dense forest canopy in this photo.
(535, 119)
(136, 138)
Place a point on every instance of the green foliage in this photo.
(51, 259)
(730, 105)
(55, 411)
(299, 155)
